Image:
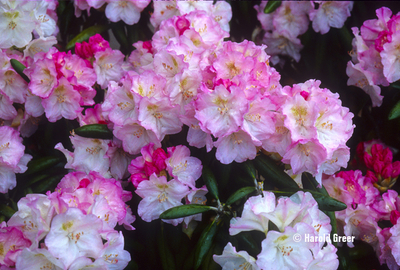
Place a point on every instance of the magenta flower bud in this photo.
(368, 160)
(182, 24)
(387, 155)
(84, 50)
(159, 157)
(396, 169)
(378, 166)
(387, 171)
(304, 94)
(147, 45)
(394, 216)
(98, 43)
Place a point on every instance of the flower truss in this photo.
(186, 129)
(375, 53)
(290, 20)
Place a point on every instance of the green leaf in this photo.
(118, 30)
(395, 112)
(239, 194)
(6, 211)
(325, 203)
(48, 184)
(271, 172)
(41, 164)
(19, 68)
(210, 181)
(95, 131)
(271, 6)
(86, 34)
(205, 242)
(332, 217)
(185, 210)
(167, 258)
(250, 169)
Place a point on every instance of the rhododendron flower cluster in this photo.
(366, 205)
(291, 19)
(296, 217)
(76, 223)
(164, 179)
(127, 11)
(221, 11)
(12, 158)
(21, 18)
(375, 53)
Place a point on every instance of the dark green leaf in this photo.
(271, 6)
(250, 169)
(272, 173)
(19, 68)
(395, 112)
(48, 184)
(167, 258)
(95, 131)
(239, 194)
(210, 181)
(6, 211)
(40, 164)
(184, 211)
(86, 34)
(118, 30)
(205, 242)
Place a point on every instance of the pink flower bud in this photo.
(182, 24)
(396, 169)
(84, 50)
(394, 216)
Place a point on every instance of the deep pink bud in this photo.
(387, 155)
(394, 216)
(84, 50)
(137, 178)
(98, 43)
(149, 168)
(368, 161)
(387, 171)
(147, 45)
(371, 177)
(305, 94)
(159, 157)
(84, 183)
(182, 24)
(396, 169)
(378, 166)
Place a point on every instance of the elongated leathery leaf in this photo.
(95, 131)
(271, 6)
(19, 68)
(272, 173)
(6, 211)
(395, 112)
(185, 210)
(205, 242)
(167, 258)
(41, 164)
(86, 34)
(210, 181)
(239, 194)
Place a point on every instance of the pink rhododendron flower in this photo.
(159, 195)
(330, 14)
(73, 234)
(231, 259)
(128, 11)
